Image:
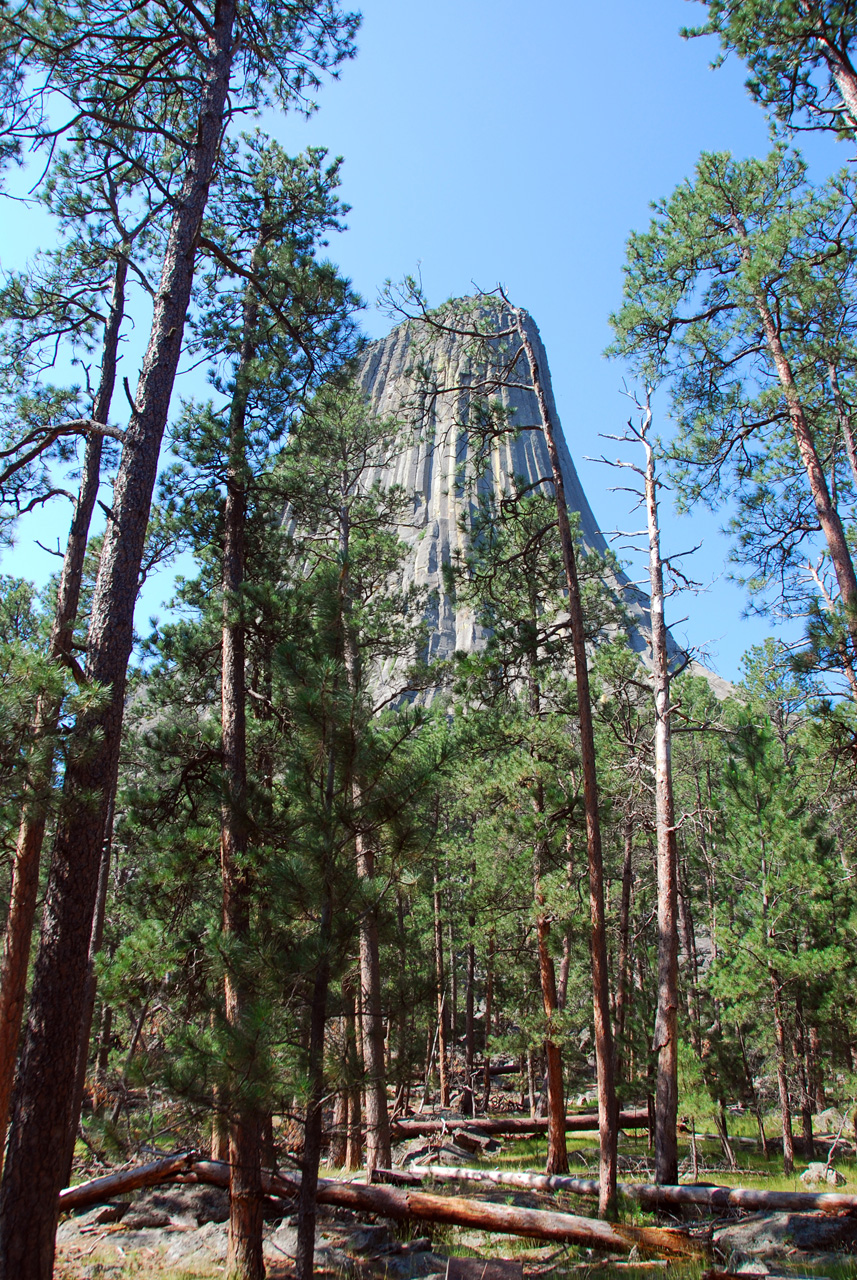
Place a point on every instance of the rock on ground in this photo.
(185, 1227)
(777, 1234)
(817, 1172)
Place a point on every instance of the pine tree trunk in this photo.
(315, 1103)
(624, 979)
(354, 1143)
(842, 72)
(468, 1106)
(489, 998)
(722, 1127)
(828, 515)
(531, 1083)
(105, 1031)
(90, 991)
(440, 996)
(378, 1152)
(557, 1157)
(338, 1137)
(748, 1076)
(782, 1077)
(799, 1053)
(244, 1260)
(31, 833)
(453, 981)
(42, 1098)
(816, 1075)
(607, 1126)
(689, 941)
(665, 1042)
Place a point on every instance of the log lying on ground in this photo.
(647, 1193)
(391, 1202)
(97, 1190)
(414, 1127)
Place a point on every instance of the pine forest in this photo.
(409, 898)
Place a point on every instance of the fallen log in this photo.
(391, 1202)
(647, 1193)
(97, 1190)
(415, 1127)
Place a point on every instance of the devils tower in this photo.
(430, 381)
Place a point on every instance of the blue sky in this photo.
(487, 143)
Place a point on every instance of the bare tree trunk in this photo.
(440, 995)
(665, 1042)
(608, 1134)
(31, 833)
(42, 1098)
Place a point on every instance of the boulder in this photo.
(186, 1206)
(475, 1143)
(829, 1121)
(779, 1234)
(205, 1245)
(816, 1173)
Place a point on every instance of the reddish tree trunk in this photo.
(440, 995)
(624, 978)
(31, 833)
(313, 1125)
(42, 1100)
(489, 998)
(468, 1106)
(608, 1134)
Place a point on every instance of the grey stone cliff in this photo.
(425, 380)
(404, 376)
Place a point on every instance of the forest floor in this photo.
(179, 1232)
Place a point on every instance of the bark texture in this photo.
(31, 833)
(666, 1019)
(42, 1100)
(608, 1134)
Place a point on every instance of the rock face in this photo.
(429, 382)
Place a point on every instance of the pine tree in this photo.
(739, 296)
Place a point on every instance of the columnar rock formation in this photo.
(429, 381)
